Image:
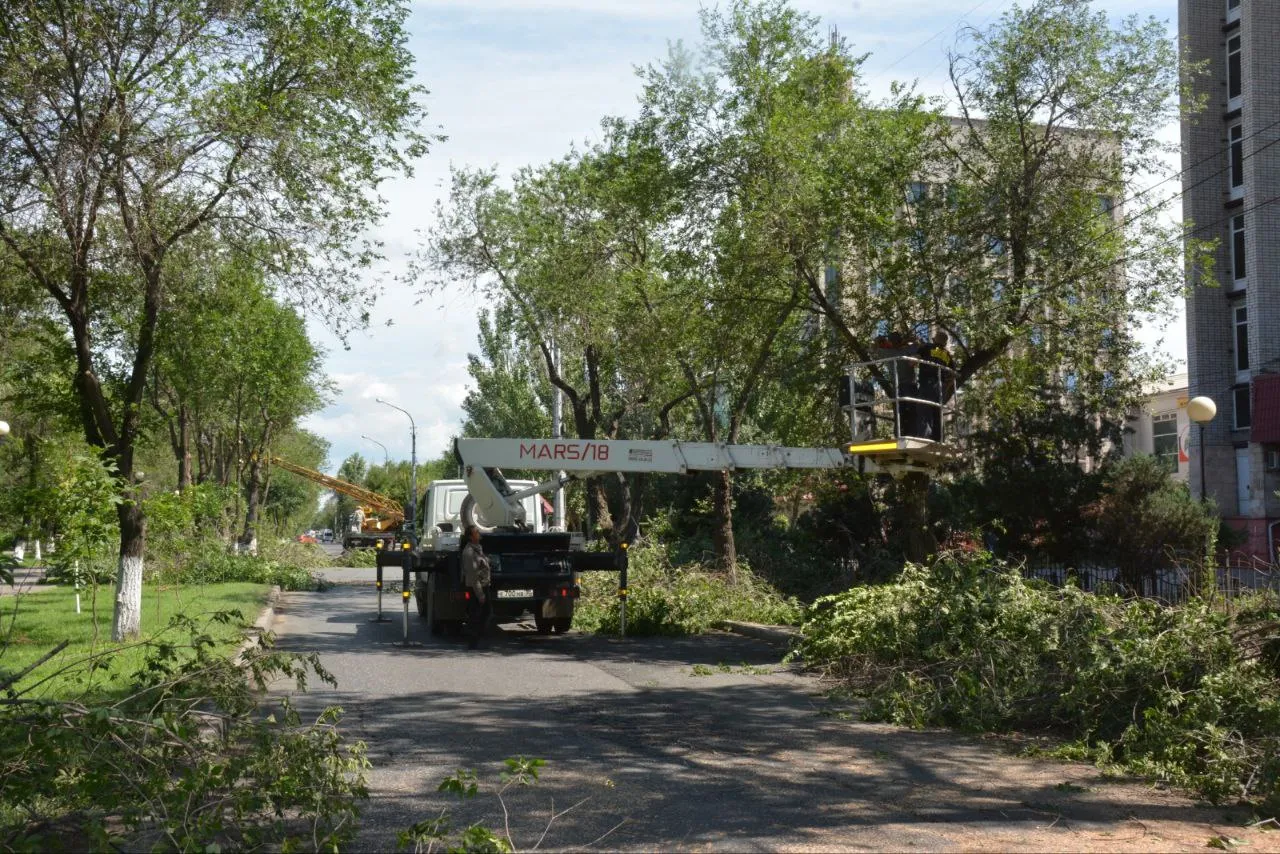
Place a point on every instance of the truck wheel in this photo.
(561, 625)
(433, 624)
(420, 595)
(543, 624)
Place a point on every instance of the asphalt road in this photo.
(705, 743)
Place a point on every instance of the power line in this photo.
(1183, 235)
(1129, 220)
(935, 36)
(1217, 153)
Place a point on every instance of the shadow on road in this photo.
(734, 761)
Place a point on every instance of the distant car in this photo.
(306, 538)
(326, 536)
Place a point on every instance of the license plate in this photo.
(515, 594)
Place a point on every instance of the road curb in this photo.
(774, 634)
(261, 626)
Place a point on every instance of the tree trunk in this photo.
(127, 622)
(249, 538)
(722, 535)
(598, 509)
(625, 528)
(184, 448)
(918, 540)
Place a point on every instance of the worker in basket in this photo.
(904, 380)
(937, 385)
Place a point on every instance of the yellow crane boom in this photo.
(390, 510)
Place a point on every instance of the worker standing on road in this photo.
(937, 383)
(476, 580)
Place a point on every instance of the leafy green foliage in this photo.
(81, 502)
(1040, 504)
(182, 527)
(223, 566)
(203, 765)
(1145, 520)
(462, 783)
(966, 642)
(357, 557)
(666, 599)
(478, 838)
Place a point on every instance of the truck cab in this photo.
(532, 571)
(442, 511)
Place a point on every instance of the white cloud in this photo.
(434, 402)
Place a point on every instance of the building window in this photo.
(1240, 317)
(1235, 154)
(917, 191)
(1106, 205)
(1164, 439)
(1233, 10)
(1238, 269)
(1243, 410)
(1235, 83)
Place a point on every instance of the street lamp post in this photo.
(1201, 411)
(386, 463)
(413, 469)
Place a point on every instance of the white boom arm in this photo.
(576, 458)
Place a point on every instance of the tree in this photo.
(767, 149)
(549, 253)
(353, 470)
(510, 396)
(1146, 521)
(127, 127)
(276, 380)
(1006, 227)
(289, 501)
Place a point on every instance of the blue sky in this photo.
(515, 82)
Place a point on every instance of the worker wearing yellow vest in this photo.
(936, 384)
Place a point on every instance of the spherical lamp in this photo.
(1201, 410)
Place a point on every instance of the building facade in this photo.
(1161, 427)
(1231, 193)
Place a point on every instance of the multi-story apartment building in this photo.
(1231, 192)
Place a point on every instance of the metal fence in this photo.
(1171, 585)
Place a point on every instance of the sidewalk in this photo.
(26, 579)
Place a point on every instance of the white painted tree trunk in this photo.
(20, 551)
(128, 611)
(39, 557)
(251, 547)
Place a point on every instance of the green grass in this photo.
(34, 623)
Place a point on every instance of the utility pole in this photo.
(386, 463)
(557, 432)
(411, 508)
